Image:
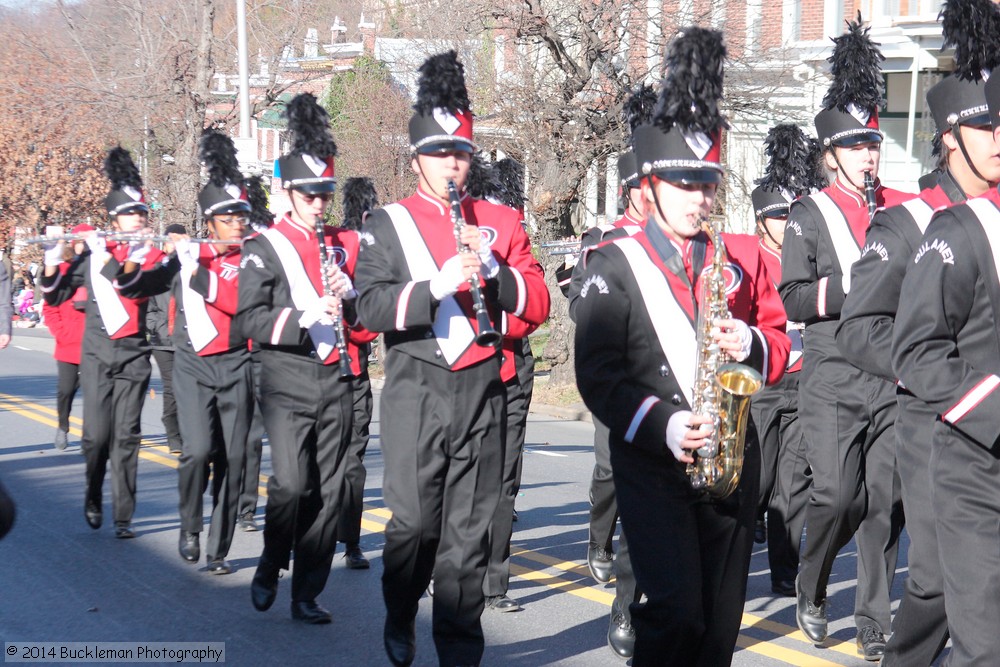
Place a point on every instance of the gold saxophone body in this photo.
(722, 389)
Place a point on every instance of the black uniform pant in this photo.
(165, 361)
(68, 383)
(114, 375)
(443, 438)
(307, 414)
(691, 557)
(604, 519)
(355, 474)
(920, 627)
(255, 447)
(214, 400)
(784, 479)
(518, 390)
(847, 419)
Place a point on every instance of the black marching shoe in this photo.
(219, 566)
(601, 563)
(760, 531)
(123, 530)
(247, 523)
(502, 603)
(92, 512)
(810, 618)
(355, 558)
(264, 587)
(783, 588)
(871, 643)
(400, 643)
(189, 547)
(621, 636)
(308, 611)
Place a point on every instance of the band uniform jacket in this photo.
(66, 322)
(635, 336)
(404, 245)
(593, 237)
(280, 276)
(823, 238)
(206, 303)
(864, 335)
(116, 307)
(946, 347)
(771, 259)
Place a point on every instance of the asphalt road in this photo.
(60, 581)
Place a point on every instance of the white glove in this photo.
(489, 261)
(188, 253)
(746, 340)
(98, 246)
(845, 282)
(317, 312)
(137, 252)
(677, 426)
(53, 253)
(448, 279)
(346, 289)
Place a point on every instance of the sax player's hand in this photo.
(686, 432)
(734, 338)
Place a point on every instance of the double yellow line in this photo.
(557, 574)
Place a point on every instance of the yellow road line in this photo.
(161, 454)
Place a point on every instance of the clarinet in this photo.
(487, 336)
(338, 317)
(870, 194)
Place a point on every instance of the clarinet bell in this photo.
(487, 336)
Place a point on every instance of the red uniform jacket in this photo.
(206, 303)
(66, 323)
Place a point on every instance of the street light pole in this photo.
(244, 67)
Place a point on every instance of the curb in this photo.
(576, 412)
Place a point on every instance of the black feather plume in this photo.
(442, 85)
(481, 182)
(639, 106)
(121, 170)
(359, 198)
(793, 161)
(973, 28)
(510, 175)
(692, 90)
(260, 215)
(218, 153)
(309, 124)
(856, 66)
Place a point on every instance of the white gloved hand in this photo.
(188, 253)
(490, 266)
(344, 290)
(98, 246)
(53, 253)
(316, 312)
(746, 340)
(677, 426)
(137, 252)
(448, 279)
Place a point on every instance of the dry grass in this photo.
(562, 395)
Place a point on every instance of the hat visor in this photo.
(439, 147)
(860, 138)
(130, 209)
(235, 207)
(323, 187)
(689, 176)
(780, 212)
(981, 120)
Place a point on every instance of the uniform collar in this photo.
(768, 249)
(290, 225)
(950, 186)
(850, 195)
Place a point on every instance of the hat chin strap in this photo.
(656, 200)
(763, 225)
(957, 133)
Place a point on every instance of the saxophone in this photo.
(722, 390)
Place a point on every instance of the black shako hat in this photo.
(792, 170)
(638, 109)
(226, 190)
(360, 198)
(850, 107)
(972, 27)
(993, 100)
(126, 194)
(443, 118)
(682, 142)
(308, 167)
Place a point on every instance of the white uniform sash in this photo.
(109, 303)
(845, 247)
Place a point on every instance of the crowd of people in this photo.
(265, 326)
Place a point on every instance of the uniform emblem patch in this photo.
(251, 258)
(594, 281)
(941, 247)
(337, 255)
(877, 248)
(489, 235)
(794, 226)
(734, 277)
(229, 271)
(367, 238)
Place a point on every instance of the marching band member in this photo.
(289, 307)
(848, 425)
(635, 366)
(971, 169)
(212, 362)
(946, 352)
(443, 403)
(114, 361)
(792, 171)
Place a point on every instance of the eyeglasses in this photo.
(238, 220)
(308, 196)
